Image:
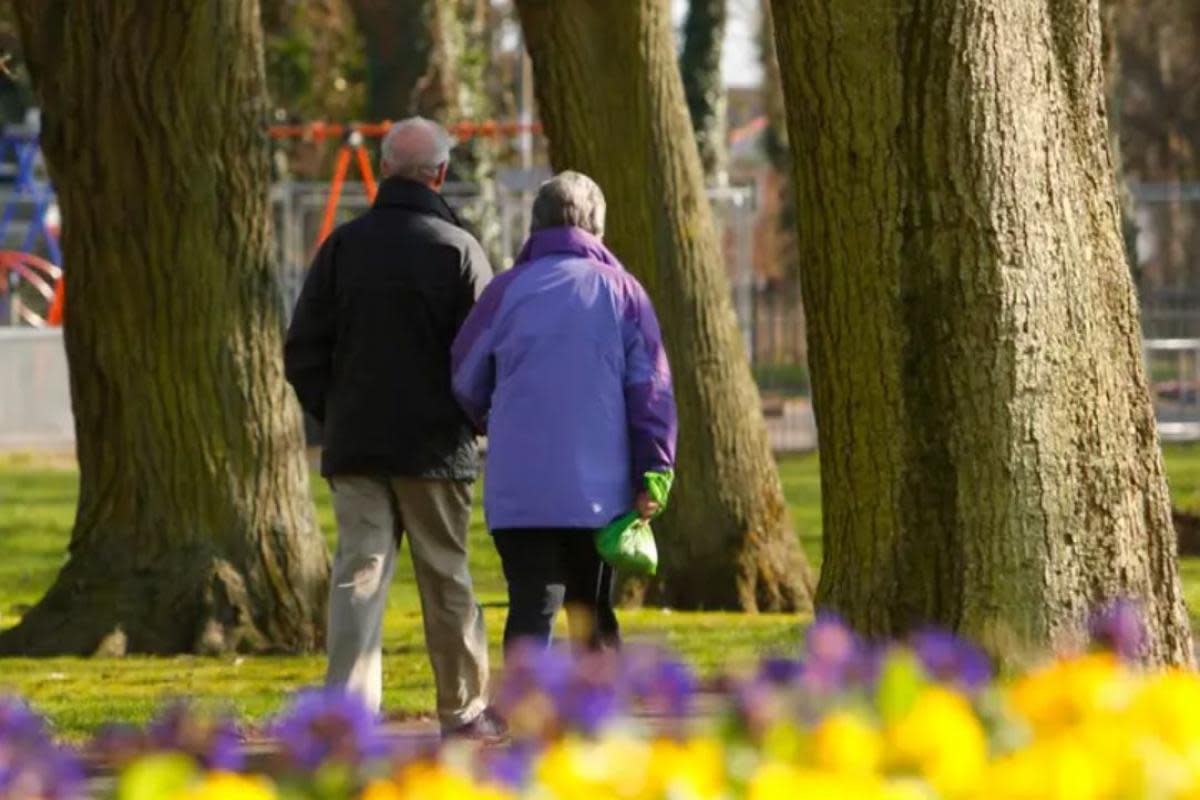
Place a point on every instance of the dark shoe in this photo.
(487, 728)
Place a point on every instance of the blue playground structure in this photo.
(20, 144)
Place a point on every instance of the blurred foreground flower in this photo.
(1119, 627)
(31, 764)
(951, 659)
(323, 726)
(847, 718)
(431, 781)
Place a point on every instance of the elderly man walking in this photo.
(562, 362)
(368, 353)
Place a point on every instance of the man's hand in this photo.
(645, 505)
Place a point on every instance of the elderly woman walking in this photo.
(561, 363)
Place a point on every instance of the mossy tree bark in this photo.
(989, 454)
(611, 99)
(194, 531)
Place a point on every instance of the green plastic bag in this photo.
(628, 541)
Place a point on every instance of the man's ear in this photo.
(441, 176)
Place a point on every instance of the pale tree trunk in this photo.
(611, 100)
(195, 531)
(703, 83)
(989, 454)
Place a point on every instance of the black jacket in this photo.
(368, 350)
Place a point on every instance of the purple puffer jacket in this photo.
(561, 363)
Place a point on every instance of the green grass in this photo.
(37, 504)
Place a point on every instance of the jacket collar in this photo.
(568, 241)
(416, 197)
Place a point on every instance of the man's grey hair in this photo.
(569, 198)
(415, 148)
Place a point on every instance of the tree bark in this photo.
(194, 530)
(611, 100)
(703, 83)
(1111, 59)
(989, 454)
(399, 53)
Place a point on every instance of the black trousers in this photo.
(547, 568)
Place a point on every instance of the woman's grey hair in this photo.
(416, 149)
(569, 198)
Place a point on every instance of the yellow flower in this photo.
(614, 767)
(430, 781)
(778, 781)
(1061, 770)
(1167, 707)
(1068, 692)
(229, 786)
(693, 769)
(844, 743)
(941, 739)
(382, 790)
(775, 781)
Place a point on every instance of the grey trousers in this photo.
(372, 515)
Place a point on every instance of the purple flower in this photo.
(780, 671)
(511, 766)
(951, 659)
(591, 700)
(530, 668)
(830, 641)
(1119, 627)
(864, 669)
(213, 741)
(588, 707)
(31, 765)
(835, 656)
(324, 725)
(46, 772)
(659, 682)
(19, 723)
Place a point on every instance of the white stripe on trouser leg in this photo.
(362, 571)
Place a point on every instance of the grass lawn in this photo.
(37, 503)
(37, 506)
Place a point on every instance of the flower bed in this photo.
(850, 719)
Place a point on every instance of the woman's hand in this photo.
(646, 506)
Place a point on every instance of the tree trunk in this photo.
(989, 455)
(412, 56)
(194, 530)
(431, 58)
(399, 53)
(703, 83)
(1110, 30)
(611, 100)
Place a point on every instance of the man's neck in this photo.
(435, 186)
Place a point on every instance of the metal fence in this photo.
(1174, 369)
(34, 404)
